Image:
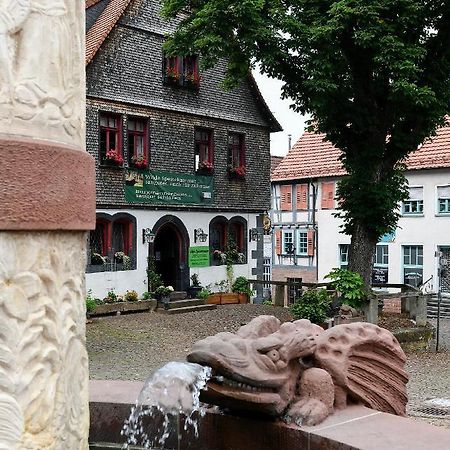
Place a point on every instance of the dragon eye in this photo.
(273, 355)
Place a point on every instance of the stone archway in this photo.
(170, 252)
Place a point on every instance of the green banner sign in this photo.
(168, 188)
(199, 256)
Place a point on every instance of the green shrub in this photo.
(314, 304)
(195, 280)
(241, 286)
(111, 297)
(203, 294)
(146, 296)
(349, 285)
(131, 296)
(91, 302)
(267, 302)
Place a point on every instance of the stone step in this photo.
(185, 303)
(186, 309)
(178, 295)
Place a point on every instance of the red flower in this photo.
(113, 155)
(206, 165)
(239, 171)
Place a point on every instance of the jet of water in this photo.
(171, 391)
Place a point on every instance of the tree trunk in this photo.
(361, 254)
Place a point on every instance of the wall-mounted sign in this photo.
(380, 275)
(199, 256)
(168, 188)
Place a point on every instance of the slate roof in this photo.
(103, 23)
(274, 161)
(313, 157)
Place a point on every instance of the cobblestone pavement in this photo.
(130, 347)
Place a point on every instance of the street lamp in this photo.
(200, 235)
(148, 237)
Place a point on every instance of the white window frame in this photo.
(413, 206)
(299, 243)
(341, 247)
(384, 257)
(445, 200)
(292, 240)
(416, 264)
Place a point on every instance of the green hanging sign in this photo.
(199, 256)
(168, 188)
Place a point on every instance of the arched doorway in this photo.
(170, 252)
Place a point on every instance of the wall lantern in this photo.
(254, 235)
(148, 237)
(200, 235)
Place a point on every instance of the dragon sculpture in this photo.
(302, 372)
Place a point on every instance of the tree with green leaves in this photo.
(372, 74)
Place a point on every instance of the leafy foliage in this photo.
(314, 304)
(146, 296)
(154, 278)
(204, 293)
(373, 76)
(349, 285)
(131, 296)
(241, 286)
(195, 280)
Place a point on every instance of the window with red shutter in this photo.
(278, 242)
(204, 151)
(302, 196)
(286, 197)
(328, 195)
(310, 235)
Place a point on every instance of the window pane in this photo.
(131, 125)
(103, 121)
(112, 122)
(139, 145)
(118, 240)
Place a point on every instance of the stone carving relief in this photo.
(301, 372)
(43, 360)
(42, 69)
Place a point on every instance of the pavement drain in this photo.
(435, 407)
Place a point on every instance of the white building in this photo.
(308, 242)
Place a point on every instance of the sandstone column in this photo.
(47, 203)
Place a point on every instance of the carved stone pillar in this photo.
(47, 203)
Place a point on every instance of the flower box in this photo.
(226, 298)
(123, 307)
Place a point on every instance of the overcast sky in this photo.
(291, 122)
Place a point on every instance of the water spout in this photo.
(172, 390)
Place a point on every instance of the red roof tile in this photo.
(103, 26)
(274, 161)
(312, 157)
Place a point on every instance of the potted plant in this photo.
(192, 79)
(162, 294)
(241, 286)
(131, 296)
(237, 172)
(139, 161)
(195, 287)
(173, 76)
(205, 167)
(97, 259)
(114, 157)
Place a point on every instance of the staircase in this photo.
(432, 307)
(179, 303)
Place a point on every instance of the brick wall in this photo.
(308, 274)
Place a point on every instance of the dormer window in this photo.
(182, 71)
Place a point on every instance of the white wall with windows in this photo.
(101, 282)
(409, 254)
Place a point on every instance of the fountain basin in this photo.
(356, 427)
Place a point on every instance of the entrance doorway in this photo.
(170, 252)
(445, 281)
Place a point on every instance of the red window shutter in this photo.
(286, 198)
(278, 242)
(328, 195)
(310, 241)
(302, 196)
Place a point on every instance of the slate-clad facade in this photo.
(125, 78)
